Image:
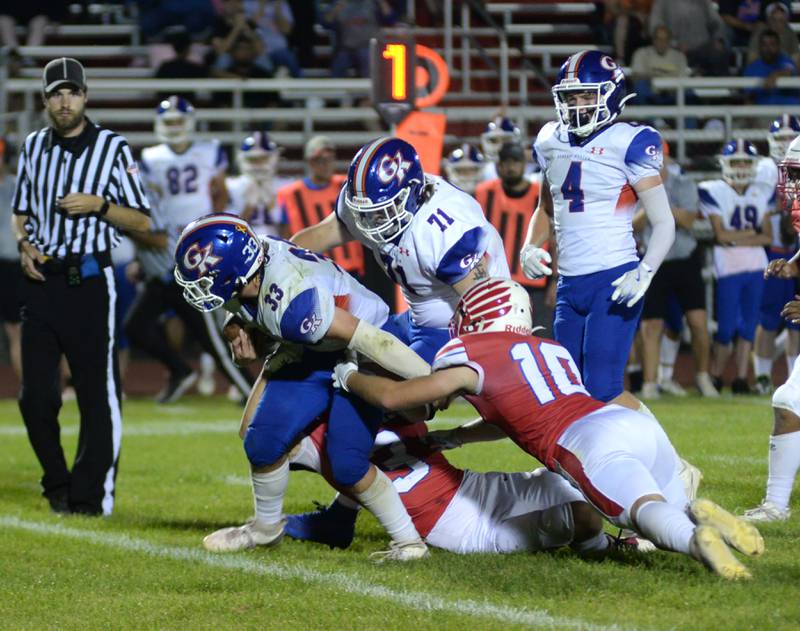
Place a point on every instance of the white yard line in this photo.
(340, 581)
(152, 428)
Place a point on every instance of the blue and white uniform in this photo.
(591, 182)
(447, 236)
(299, 293)
(739, 269)
(245, 192)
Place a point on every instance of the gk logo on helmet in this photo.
(393, 167)
(201, 259)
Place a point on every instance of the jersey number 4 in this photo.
(571, 188)
(554, 360)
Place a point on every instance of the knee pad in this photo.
(787, 397)
(263, 449)
(348, 468)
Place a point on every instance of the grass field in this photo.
(183, 474)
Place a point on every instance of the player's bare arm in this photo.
(781, 268)
(476, 431)
(325, 235)
(477, 274)
(729, 237)
(154, 240)
(29, 255)
(218, 192)
(404, 395)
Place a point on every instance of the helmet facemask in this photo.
(779, 143)
(739, 170)
(788, 184)
(383, 221)
(174, 128)
(583, 119)
(464, 174)
(259, 164)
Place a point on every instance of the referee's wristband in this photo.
(104, 208)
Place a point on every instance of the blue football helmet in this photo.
(498, 132)
(174, 120)
(464, 167)
(739, 161)
(592, 72)
(782, 131)
(258, 156)
(216, 256)
(384, 188)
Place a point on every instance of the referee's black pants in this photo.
(78, 322)
(144, 330)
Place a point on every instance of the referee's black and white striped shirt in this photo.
(98, 162)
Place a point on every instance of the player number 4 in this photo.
(571, 188)
(557, 362)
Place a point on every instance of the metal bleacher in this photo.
(501, 56)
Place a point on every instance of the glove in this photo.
(632, 285)
(534, 261)
(441, 440)
(343, 370)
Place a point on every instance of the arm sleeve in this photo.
(387, 351)
(307, 317)
(659, 214)
(643, 157)
(130, 192)
(22, 192)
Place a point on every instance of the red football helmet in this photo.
(496, 304)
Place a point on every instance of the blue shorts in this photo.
(291, 406)
(424, 340)
(598, 333)
(738, 306)
(777, 292)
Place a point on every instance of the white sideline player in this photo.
(784, 442)
(252, 194)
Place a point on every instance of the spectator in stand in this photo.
(302, 37)
(354, 23)
(275, 22)
(771, 65)
(627, 22)
(230, 26)
(156, 15)
(741, 17)
(777, 15)
(679, 277)
(245, 65)
(658, 60)
(180, 67)
(36, 14)
(699, 32)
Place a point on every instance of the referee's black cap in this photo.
(63, 70)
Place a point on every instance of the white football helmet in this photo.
(782, 131)
(498, 132)
(789, 176)
(258, 156)
(739, 162)
(464, 167)
(494, 305)
(174, 120)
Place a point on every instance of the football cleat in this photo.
(708, 546)
(332, 525)
(235, 538)
(691, 477)
(705, 385)
(767, 511)
(737, 533)
(401, 552)
(763, 384)
(670, 386)
(176, 387)
(631, 541)
(650, 391)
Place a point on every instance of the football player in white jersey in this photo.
(185, 179)
(737, 205)
(784, 442)
(777, 291)
(594, 168)
(430, 237)
(464, 168)
(499, 131)
(293, 295)
(252, 194)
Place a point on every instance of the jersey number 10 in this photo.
(557, 362)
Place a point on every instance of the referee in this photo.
(77, 185)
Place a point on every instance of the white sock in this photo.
(382, 500)
(762, 366)
(633, 368)
(207, 365)
(790, 360)
(668, 354)
(667, 526)
(268, 491)
(784, 460)
(643, 409)
(598, 543)
(346, 502)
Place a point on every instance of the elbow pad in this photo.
(387, 351)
